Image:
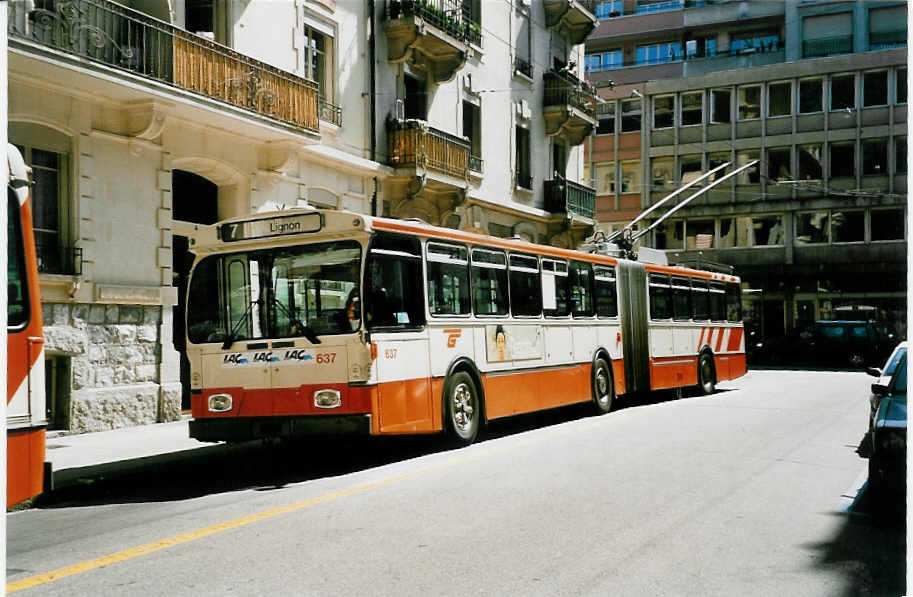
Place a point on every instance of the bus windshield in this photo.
(301, 291)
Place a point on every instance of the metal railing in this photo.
(475, 163)
(328, 112)
(57, 259)
(567, 196)
(887, 39)
(453, 17)
(524, 67)
(108, 33)
(659, 6)
(563, 89)
(525, 181)
(414, 143)
(813, 48)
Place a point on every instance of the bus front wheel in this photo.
(462, 408)
(706, 376)
(603, 388)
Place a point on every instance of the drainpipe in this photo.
(372, 98)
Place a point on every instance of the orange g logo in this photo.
(452, 336)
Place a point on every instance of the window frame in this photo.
(684, 283)
(830, 95)
(671, 113)
(653, 281)
(537, 273)
(637, 113)
(573, 267)
(758, 106)
(799, 95)
(599, 275)
(713, 114)
(554, 271)
(699, 110)
(789, 103)
(429, 260)
(485, 265)
(865, 87)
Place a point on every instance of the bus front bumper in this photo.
(250, 428)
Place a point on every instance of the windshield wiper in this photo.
(306, 331)
(232, 335)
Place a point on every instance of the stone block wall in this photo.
(115, 357)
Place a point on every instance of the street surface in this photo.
(750, 491)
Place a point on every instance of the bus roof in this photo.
(299, 223)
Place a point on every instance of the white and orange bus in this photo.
(304, 322)
(25, 400)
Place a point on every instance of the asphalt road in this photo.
(754, 490)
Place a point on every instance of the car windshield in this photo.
(858, 331)
(285, 292)
(895, 359)
(832, 331)
(900, 377)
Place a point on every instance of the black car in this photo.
(888, 435)
(842, 343)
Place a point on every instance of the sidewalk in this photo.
(90, 455)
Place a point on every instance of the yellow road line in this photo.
(141, 550)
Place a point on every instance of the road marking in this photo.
(141, 550)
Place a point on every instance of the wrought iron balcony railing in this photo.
(414, 143)
(525, 180)
(475, 163)
(814, 48)
(450, 16)
(56, 259)
(108, 33)
(570, 197)
(564, 89)
(523, 66)
(330, 112)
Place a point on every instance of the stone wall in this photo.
(115, 353)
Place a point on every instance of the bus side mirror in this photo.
(873, 371)
(879, 389)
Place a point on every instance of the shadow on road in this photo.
(270, 466)
(869, 548)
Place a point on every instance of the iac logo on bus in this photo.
(298, 355)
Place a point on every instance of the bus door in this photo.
(395, 318)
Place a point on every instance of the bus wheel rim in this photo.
(463, 409)
(602, 385)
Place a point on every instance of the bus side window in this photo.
(717, 302)
(206, 319)
(581, 289)
(681, 299)
(525, 289)
(489, 282)
(17, 308)
(393, 283)
(733, 302)
(555, 288)
(448, 279)
(660, 297)
(606, 295)
(700, 300)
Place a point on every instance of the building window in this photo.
(811, 92)
(208, 19)
(848, 226)
(750, 175)
(523, 159)
(812, 228)
(630, 177)
(843, 92)
(604, 61)
(472, 130)
(319, 62)
(900, 155)
(810, 162)
(887, 224)
(735, 232)
(720, 105)
(702, 47)
(718, 158)
(692, 108)
(826, 35)
(662, 173)
(749, 102)
(50, 213)
(689, 168)
(779, 99)
(658, 53)
(605, 178)
(843, 160)
(901, 86)
(875, 88)
(57, 391)
(767, 230)
(699, 234)
(779, 163)
(415, 103)
(605, 118)
(875, 157)
(887, 27)
(609, 10)
(630, 116)
(663, 111)
(670, 235)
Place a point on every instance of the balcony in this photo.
(569, 107)
(572, 19)
(115, 36)
(413, 145)
(829, 46)
(430, 34)
(883, 40)
(565, 196)
(524, 67)
(330, 113)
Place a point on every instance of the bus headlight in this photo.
(220, 403)
(327, 399)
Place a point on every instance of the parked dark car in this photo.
(888, 436)
(838, 343)
(884, 377)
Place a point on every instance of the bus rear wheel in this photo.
(462, 408)
(706, 376)
(603, 388)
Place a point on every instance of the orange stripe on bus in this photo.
(735, 340)
(719, 339)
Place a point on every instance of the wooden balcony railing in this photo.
(570, 197)
(120, 37)
(413, 143)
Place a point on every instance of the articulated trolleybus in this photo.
(302, 322)
(25, 401)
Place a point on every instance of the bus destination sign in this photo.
(278, 226)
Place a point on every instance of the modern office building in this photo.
(817, 92)
(143, 118)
